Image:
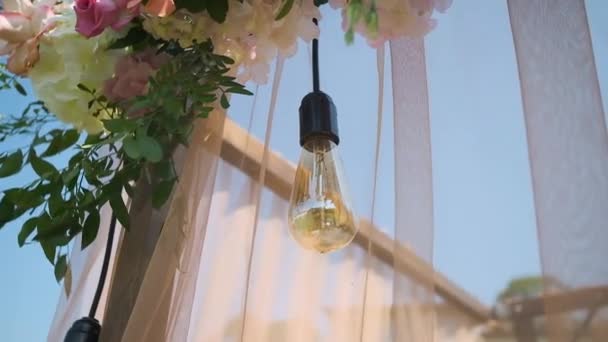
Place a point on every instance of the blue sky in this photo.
(484, 216)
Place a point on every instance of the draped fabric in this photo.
(568, 150)
(249, 280)
(225, 268)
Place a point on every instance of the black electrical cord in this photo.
(88, 329)
(315, 61)
(104, 268)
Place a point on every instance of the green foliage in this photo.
(8, 81)
(218, 9)
(137, 39)
(61, 267)
(286, 6)
(64, 202)
(357, 12)
(11, 163)
(523, 287)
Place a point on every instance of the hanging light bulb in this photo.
(320, 213)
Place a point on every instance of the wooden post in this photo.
(133, 257)
(131, 263)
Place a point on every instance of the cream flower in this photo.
(68, 59)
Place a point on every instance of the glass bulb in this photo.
(320, 213)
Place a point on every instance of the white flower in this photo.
(68, 59)
(250, 34)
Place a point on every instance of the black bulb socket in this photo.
(86, 329)
(318, 118)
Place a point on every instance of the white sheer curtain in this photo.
(568, 150)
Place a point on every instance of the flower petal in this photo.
(21, 6)
(15, 27)
(5, 48)
(23, 57)
(161, 8)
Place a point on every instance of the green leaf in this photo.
(61, 267)
(7, 211)
(53, 230)
(120, 125)
(165, 170)
(91, 227)
(84, 88)
(239, 90)
(218, 9)
(42, 168)
(26, 230)
(120, 209)
(11, 164)
(349, 36)
(61, 142)
(69, 175)
(27, 199)
(193, 6)
(131, 148)
(284, 10)
(129, 189)
(225, 59)
(92, 139)
(75, 160)
(19, 88)
(49, 251)
(133, 37)
(161, 193)
(87, 199)
(150, 148)
(59, 239)
(138, 106)
(224, 101)
(56, 204)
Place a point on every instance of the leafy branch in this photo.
(8, 81)
(138, 141)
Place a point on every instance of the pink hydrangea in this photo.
(132, 74)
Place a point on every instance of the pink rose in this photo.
(94, 16)
(21, 26)
(131, 76)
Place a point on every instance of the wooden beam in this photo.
(565, 301)
(244, 151)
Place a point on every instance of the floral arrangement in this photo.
(130, 77)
